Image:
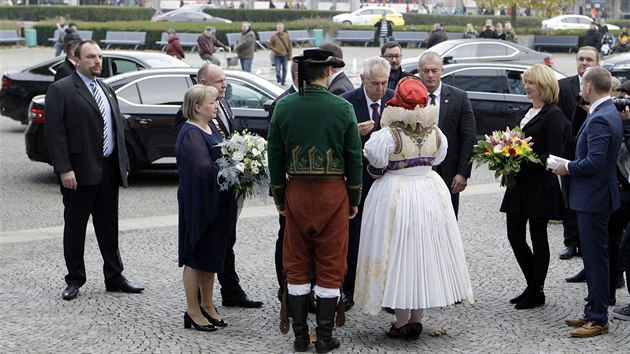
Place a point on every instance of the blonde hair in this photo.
(195, 96)
(542, 76)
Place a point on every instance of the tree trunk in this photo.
(513, 16)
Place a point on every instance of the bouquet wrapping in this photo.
(244, 166)
(505, 152)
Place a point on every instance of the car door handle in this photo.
(516, 108)
(142, 120)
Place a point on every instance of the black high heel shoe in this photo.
(188, 321)
(533, 299)
(520, 298)
(213, 321)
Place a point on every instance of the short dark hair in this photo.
(390, 44)
(77, 51)
(333, 47)
(317, 71)
(71, 46)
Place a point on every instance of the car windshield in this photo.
(442, 47)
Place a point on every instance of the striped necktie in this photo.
(101, 106)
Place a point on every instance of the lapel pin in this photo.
(446, 100)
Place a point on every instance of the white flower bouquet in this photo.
(243, 165)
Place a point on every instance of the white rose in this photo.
(238, 155)
(240, 167)
(498, 149)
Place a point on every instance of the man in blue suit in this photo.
(594, 194)
(369, 101)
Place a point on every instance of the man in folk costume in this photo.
(321, 155)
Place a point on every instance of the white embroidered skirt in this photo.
(411, 254)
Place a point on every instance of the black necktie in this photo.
(432, 96)
(376, 115)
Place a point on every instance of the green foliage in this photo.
(270, 15)
(75, 13)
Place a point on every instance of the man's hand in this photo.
(366, 127)
(68, 180)
(458, 184)
(281, 210)
(625, 114)
(560, 170)
(354, 210)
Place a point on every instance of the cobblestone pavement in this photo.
(36, 320)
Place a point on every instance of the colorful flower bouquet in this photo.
(243, 165)
(505, 152)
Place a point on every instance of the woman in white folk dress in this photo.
(411, 255)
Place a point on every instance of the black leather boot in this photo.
(298, 308)
(534, 298)
(326, 309)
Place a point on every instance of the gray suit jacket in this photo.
(340, 84)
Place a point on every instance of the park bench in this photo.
(265, 37)
(300, 37)
(354, 36)
(406, 37)
(85, 35)
(185, 39)
(455, 35)
(10, 36)
(136, 39)
(564, 42)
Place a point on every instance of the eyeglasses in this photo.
(390, 57)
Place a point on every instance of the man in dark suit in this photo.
(568, 100)
(281, 218)
(86, 142)
(457, 122)
(339, 82)
(368, 101)
(594, 194)
(67, 67)
(231, 292)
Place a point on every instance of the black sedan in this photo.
(619, 66)
(149, 100)
(19, 87)
(496, 92)
(483, 50)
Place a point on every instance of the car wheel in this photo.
(346, 23)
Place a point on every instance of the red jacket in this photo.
(173, 48)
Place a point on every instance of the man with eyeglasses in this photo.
(392, 52)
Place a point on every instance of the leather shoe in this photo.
(347, 303)
(590, 329)
(576, 322)
(71, 292)
(125, 286)
(242, 301)
(578, 278)
(568, 253)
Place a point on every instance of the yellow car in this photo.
(369, 15)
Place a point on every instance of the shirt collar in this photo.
(597, 103)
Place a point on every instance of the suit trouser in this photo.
(570, 225)
(316, 231)
(593, 229)
(101, 201)
(229, 280)
(354, 238)
(624, 252)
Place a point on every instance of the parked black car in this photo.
(19, 87)
(149, 100)
(619, 66)
(496, 92)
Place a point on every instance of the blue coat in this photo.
(593, 172)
